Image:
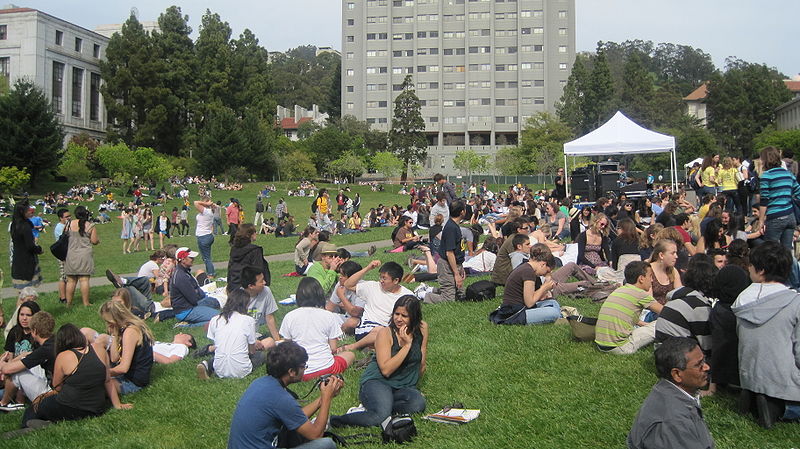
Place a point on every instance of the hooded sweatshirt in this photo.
(769, 342)
(249, 255)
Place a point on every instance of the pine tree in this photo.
(599, 101)
(32, 135)
(572, 106)
(406, 138)
(636, 97)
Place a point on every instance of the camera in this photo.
(327, 377)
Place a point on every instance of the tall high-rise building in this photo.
(480, 67)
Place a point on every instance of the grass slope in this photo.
(534, 385)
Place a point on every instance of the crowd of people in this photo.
(711, 292)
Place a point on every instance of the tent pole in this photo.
(566, 176)
(675, 171)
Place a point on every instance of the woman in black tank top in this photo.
(81, 381)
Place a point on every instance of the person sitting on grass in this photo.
(130, 347)
(525, 289)
(167, 353)
(619, 329)
(31, 372)
(189, 302)
(237, 351)
(316, 330)
(522, 250)
(324, 270)
(346, 303)
(81, 380)
(18, 342)
(670, 417)
(302, 250)
(379, 296)
(768, 327)
(267, 406)
(24, 295)
(403, 236)
(389, 383)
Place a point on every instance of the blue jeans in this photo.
(543, 312)
(126, 386)
(204, 243)
(205, 309)
(781, 229)
(380, 401)
(218, 230)
(792, 411)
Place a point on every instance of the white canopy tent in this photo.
(620, 136)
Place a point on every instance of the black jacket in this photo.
(26, 251)
(249, 255)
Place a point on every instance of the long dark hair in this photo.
(244, 235)
(712, 236)
(237, 302)
(17, 332)
(414, 310)
(82, 214)
(69, 337)
(20, 216)
(310, 293)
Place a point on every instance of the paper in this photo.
(454, 415)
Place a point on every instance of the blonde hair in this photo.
(596, 219)
(647, 237)
(727, 162)
(660, 247)
(122, 317)
(124, 295)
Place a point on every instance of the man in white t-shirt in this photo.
(379, 297)
(262, 306)
(236, 353)
(346, 304)
(166, 353)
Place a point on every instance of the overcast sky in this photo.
(763, 32)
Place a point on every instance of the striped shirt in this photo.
(686, 315)
(778, 186)
(618, 315)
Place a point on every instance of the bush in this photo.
(236, 174)
(76, 172)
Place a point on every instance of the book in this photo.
(454, 415)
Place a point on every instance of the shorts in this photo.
(339, 365)
(126, 386)
(365, 328)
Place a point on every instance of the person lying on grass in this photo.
(81, 381)
(267, 407)
(237, 351)
(166, 353)
(316, 330)
(389, 383)
(346, 303)
(31, 372)
(379, 297)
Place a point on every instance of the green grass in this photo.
(534, 386)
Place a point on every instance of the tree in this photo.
(469, 162)
(741, 103)
(788, 140)
(327, 144)
(74, 165)
(214, 53)
(258, 142)
(406, 138)
(570, 108)
(541, 149)
(296, 165)
(348, 165)
(32, 137)
(387, 163)
(250, 84)
(636, 98)
(116, 159)
(12, 178)
(220, 141)
(599, 100)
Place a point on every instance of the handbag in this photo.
(509, 314)
(54, 391)
(60, 247)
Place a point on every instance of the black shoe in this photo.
(746, 404)
(769, 410)
(116, 281)
(202, 352)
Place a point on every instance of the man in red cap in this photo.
(189, 301)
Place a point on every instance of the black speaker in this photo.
(608, 183)
(583, 185)
(608, 166)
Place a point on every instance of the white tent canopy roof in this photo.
(620, 135)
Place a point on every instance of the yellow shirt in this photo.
(707, 177)
(727, 178)
(703, 210)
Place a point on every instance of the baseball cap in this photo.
(184, 252)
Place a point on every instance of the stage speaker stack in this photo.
(583, 185)
(609, 182)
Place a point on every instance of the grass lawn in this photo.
(534, 386)
(108, 254)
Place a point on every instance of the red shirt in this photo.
(686, 237)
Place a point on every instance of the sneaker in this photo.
(116, 281)
(202, 352)
(12, 407)
(358, 408)
(371, 250)
(202, 370)
(421, 291)
(410, 261)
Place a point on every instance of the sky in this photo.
(760, 32)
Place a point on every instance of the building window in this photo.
(351, 22)
(350, 72)
(562, 66)
(78, 44)
(350, 106)
(351, 38)
(94, 96)
(350, 55)
(77, 91)
(562, 14)
(58, 87)
(96, 51)
(351, 5)
(562, 48)
(562, 31)
(59, 37)
(3, 32)
(351, 89)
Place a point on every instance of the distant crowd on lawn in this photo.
(715, 293)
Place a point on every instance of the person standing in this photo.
(670, 417)
(258, 218)
(778, 187)
(281, 210)
(232, 214)
(63, 218)
(451, 259)
(204, 231)
(79, 264)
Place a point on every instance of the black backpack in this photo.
(314, 206)
(480, 291)
(398, 429)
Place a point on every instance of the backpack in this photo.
(398, 429)
(693, 180)
(480, 291)
(314, 206)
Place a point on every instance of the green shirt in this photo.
(327, 278)
(619, 314)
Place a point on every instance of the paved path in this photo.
(10, 292)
